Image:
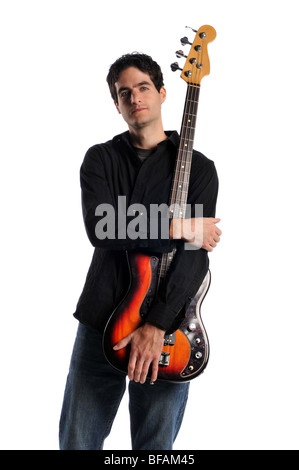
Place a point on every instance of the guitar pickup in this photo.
(164, 359)
(169, 340)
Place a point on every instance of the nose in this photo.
(135, 97)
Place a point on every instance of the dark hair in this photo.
(142, 62)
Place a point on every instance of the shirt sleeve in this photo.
(109, 224)
(189, 267)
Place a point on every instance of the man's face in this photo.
(139, 102)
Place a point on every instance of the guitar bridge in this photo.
(164, 359)
(169, 340)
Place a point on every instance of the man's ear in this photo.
(163, 94)
(116, 105)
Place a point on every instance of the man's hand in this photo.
(146, 346)
(201, 232)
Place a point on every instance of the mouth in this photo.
(138, 110)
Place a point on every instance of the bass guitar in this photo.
(186, 351)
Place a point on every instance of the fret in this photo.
(180, 187)
(181, 182)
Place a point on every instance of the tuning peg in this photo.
(185, 41)
(175, 66)
(180, 54)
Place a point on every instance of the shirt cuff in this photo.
(161, 316)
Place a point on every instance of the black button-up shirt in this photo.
(111, 170)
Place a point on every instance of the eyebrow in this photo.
(123, 88)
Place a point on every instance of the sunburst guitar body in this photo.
(186, 351)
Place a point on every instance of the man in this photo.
(137, 165)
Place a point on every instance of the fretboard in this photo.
(181, 176)
(180, 183)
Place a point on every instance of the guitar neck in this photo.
(180, 182)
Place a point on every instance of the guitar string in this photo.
(181, 179)
(179, 176)
(184, 158)
(188, 134)
(189, 129)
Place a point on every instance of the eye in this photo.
(144, 88)
(124, 94)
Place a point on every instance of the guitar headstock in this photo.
(197, 63)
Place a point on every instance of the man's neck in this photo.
(147, 137)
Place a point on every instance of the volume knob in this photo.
(192, 327)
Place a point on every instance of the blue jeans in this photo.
(93, 392)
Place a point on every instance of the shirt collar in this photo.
(172, 137)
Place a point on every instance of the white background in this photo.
(54, 105)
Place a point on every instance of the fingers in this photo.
(146, 346)
(212, 234)
(138, 369)
(210, 245)
(123, 343)
(155, 370)
(132, 367)
(141, 374)
(141, 377)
